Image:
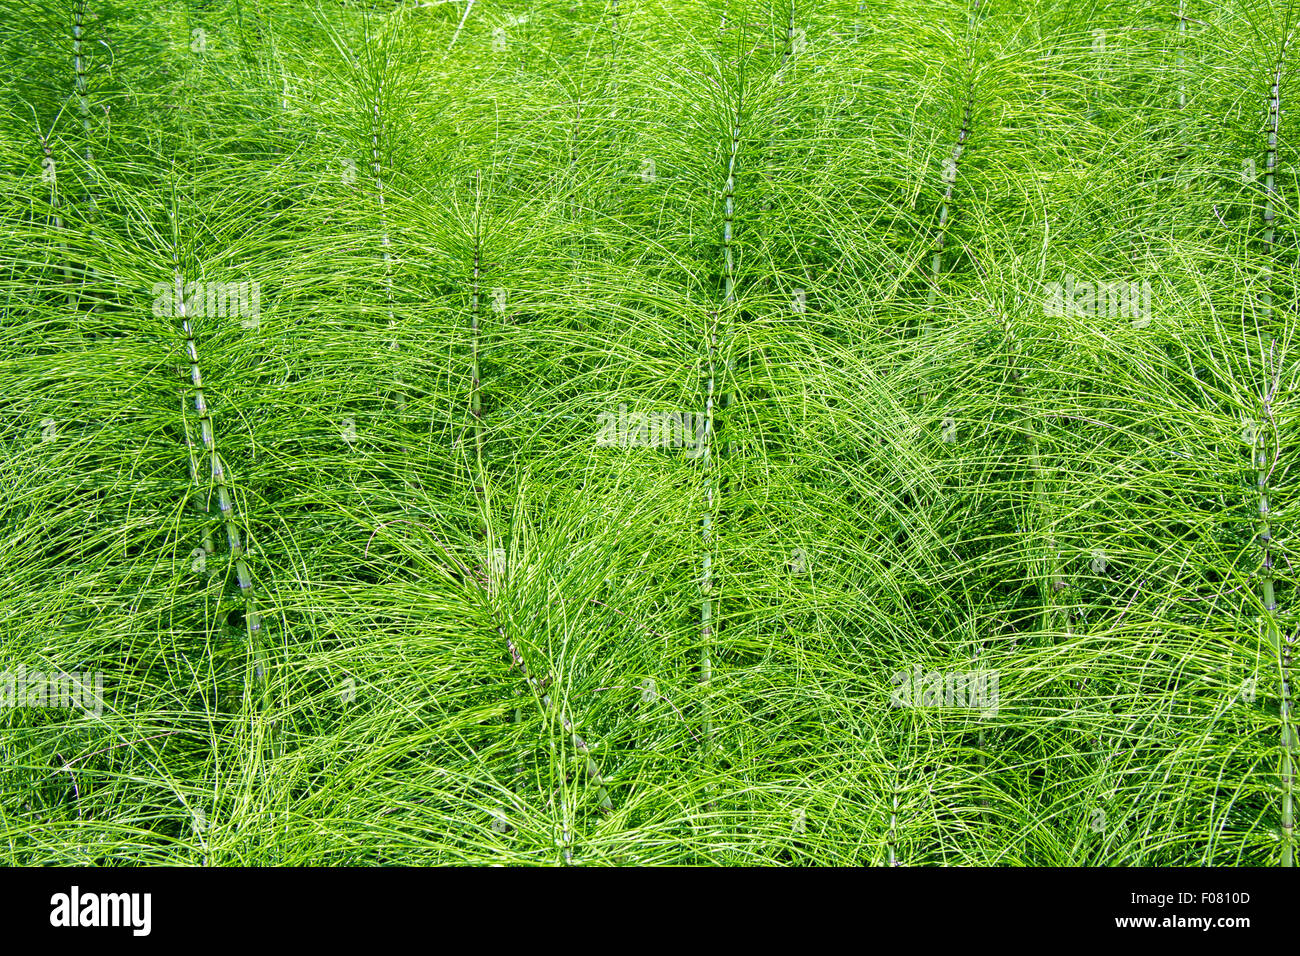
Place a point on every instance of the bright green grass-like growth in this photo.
(1265, 456)
(364, 583)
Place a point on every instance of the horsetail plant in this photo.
(235, 541)
(1266, 464)
(715, 399)
(476, 382)
(1179, 60)
(49, 174)
(952, 162)
(539, 688)
(376, 129)
(83, 91)
(678, 655)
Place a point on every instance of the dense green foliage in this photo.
(413, 610)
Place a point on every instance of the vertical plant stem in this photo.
(478, 431)
(83, 98)
(714, 399)
(981, 754)
(376, 128)
(476, 385)
(386, 243)
(789, 37)
(460, 26)
(779, 80)
(950, 177)
(1264, 466)
(953, 163)
(891, 838)
(1179, 64)
(589, 765)
(48, 164)
(1052, 581)
(225, 502)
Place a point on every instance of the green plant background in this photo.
(475, 227)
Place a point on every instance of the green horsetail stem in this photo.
(478, 476)
(1052, 583)
(575, 201)
(544, 701)
(713, 398)
(891, 837)
(225, 503)
(476, 385)
(615, 43)
(981, 751)
(779, 79)
(50, 169)
(1179, 63)
(1264, 465)
(461, 25)
(83, 106)
(789, 37)
(83, 90)
(385, 239)
(205, 508)
(953, 162)
(575, 135)
(950, 178)
(376, 126)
